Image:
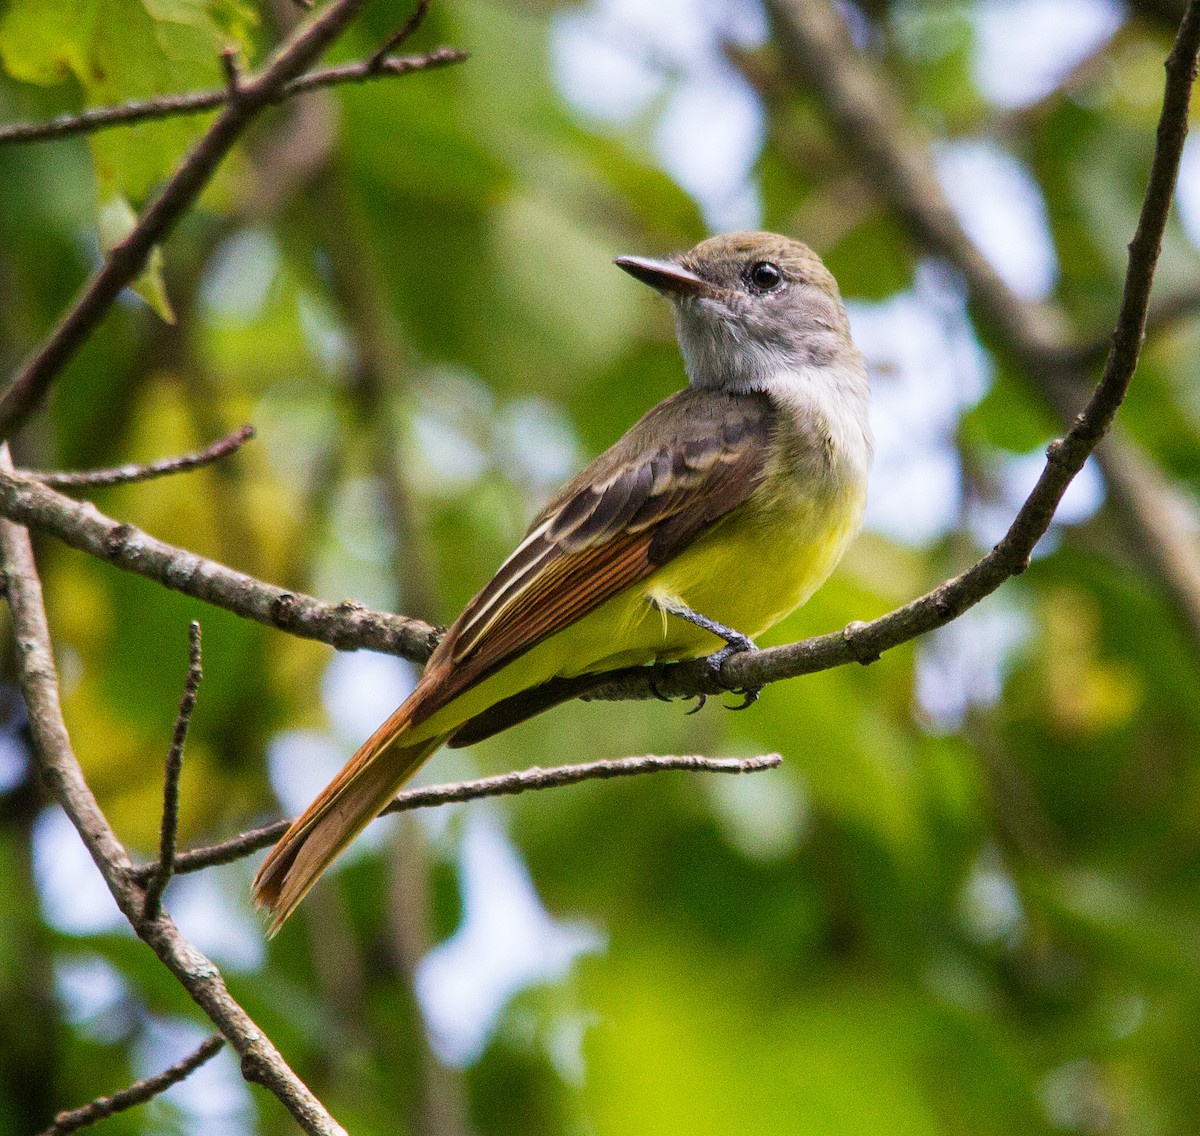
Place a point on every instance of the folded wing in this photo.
(690, 461)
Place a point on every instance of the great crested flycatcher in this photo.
(722, 510)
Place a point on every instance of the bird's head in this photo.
(750, 308)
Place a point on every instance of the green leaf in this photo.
(116, 221)
(117, 50)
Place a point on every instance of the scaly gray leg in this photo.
(735, 644)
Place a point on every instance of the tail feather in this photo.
(347, 805)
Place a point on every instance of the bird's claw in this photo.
(749, 697)
(734, 645)
(655, 671)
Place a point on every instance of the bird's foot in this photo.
(735, 644)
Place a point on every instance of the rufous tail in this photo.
(346, 806)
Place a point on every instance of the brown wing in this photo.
(686, 463)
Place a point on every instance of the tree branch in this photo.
(127, 260)
(503, 785)
(128, 474)
(171, 106)
(82, 526)
(103, 1107)
(157, 883)
(261, 1061)
(870, 122)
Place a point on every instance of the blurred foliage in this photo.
(970, 900)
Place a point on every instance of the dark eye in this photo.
(765, 276)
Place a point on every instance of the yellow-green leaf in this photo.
(115, 222)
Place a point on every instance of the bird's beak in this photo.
(665, 276)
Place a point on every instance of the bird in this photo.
(718, 513)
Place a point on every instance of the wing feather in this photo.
(634, 508)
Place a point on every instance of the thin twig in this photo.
(103, 1107)
(171, 106)
(60, 770)
(401, 35)
(127, 260)
(169, 830)
(127, 474)
(502, 785)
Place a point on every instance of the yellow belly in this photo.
(748, 571)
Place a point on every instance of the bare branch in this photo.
(38, 678)
(81, 525)
(39, 686)
(871, 124)
(226, 852)
(127, 474)
(172, 106)
(169, 831)
(128, 259)
(103, 1107)
(401, 35)
(502, 785)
